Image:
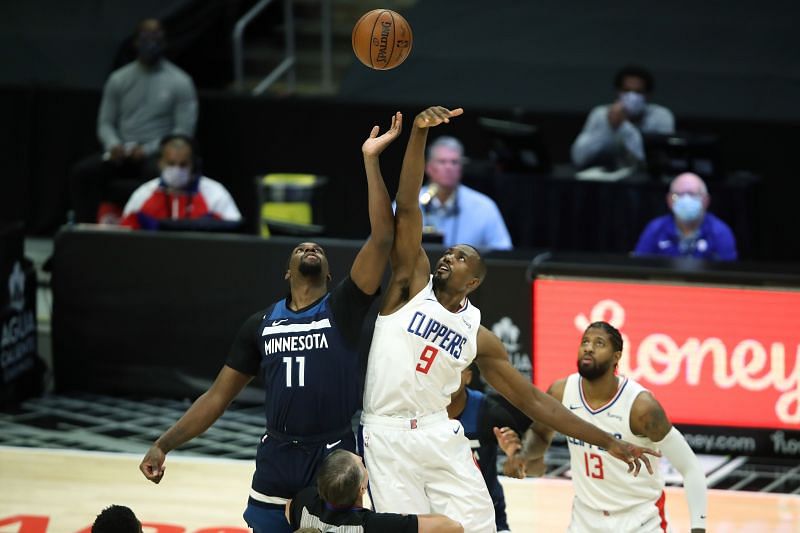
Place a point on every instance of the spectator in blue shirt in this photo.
(690, 231)
(458, 213)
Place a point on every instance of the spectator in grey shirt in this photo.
(143, 102)
(612, 135)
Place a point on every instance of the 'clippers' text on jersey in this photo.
(437, 333)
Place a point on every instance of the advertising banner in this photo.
(713, 356)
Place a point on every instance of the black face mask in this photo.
(150, 51)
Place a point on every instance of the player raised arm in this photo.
(410, 267)
(369, 264)
(649, 419)
(198, 418)
(496, 369)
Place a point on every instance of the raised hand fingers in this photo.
(374, 132)
(647, 461)
(397, 122)
(435, 115)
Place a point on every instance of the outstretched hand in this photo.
(633, 455)
(435, 115)
(375, 144)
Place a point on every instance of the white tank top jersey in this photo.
(602, 481)
(417, 355)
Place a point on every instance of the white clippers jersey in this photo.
(417, 355)
(602, 481)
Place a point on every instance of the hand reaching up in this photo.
(376, 144)
(435, 115)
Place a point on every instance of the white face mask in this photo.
(634, 103)
(176, 177)
(687, 208)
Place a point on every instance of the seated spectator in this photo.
(486, 424)
(181, 193)
(116, 519)
(143, 101)
(337, 501)
(612, 135)
(689, 231)
(458, 213)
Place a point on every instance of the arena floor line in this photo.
(66, 489)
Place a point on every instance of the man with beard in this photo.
(606, 499)
(427, 332)
(305, 348)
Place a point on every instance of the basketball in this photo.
(382, 39)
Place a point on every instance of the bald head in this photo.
(688, 183)
(149, 26)
(688, 199)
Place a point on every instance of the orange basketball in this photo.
(382, 39)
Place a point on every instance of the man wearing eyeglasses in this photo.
(689, 231)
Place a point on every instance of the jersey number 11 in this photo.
(301, 370)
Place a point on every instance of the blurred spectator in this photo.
(143, 101)
(612, 135)
(337, 502)
(484, 420)
(181, 193)
(689, 231)
(116, 519)
(458, 213)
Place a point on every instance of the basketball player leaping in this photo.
(606, 499)
(427, 332)
(305, 348)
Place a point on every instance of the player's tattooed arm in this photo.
(648, 418)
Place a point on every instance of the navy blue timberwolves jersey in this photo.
(480, 415)
(308, 360)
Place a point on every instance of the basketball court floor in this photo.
(64, 458)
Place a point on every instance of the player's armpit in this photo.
(405, 284)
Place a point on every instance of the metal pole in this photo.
(327, 62)
(288, 17)
(237, 37)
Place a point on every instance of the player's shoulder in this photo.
(644, 400)
(556, 389)
(648, 417)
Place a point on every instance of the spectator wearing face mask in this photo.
(142, 102)
(690, 231)
(612, 135)
(180, 193)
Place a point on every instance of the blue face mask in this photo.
(687, 208)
